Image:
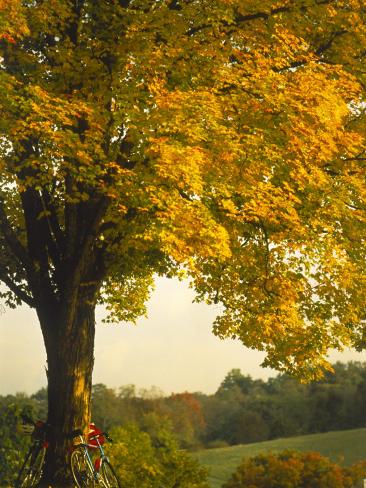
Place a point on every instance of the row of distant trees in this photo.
(243, 410)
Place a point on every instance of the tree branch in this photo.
(79, 264)
(241, 19)
(39, 238)
(91, 233)
(70, 217)
(21, 294)
(56, 244)
(328, 44)
(13, 242)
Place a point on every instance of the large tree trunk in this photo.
(69, 341)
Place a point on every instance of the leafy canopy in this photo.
(220, 140)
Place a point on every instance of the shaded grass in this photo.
(344, 447)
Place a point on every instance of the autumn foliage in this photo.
(229, 148)
(292, 469)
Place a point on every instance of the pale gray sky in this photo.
(173, 349)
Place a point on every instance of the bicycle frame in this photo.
(96, 466)
(31, 469)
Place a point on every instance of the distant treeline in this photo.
(243, 410)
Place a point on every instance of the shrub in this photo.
(291, 469)
(143, 460)
(13, 445)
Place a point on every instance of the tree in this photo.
(184, 411)
(236, 380)
(220, 140)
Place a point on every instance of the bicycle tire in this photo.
(109, 477)
(81, 470)
(31, 471)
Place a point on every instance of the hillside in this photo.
(346, 447)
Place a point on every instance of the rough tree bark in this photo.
(70, 363)
(69, 342)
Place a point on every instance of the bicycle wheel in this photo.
(81, 470)
(109, 477)
(31, 471)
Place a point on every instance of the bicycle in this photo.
(31, 471)
(84, 471)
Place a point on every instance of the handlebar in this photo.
(39, 430)
(79, 432)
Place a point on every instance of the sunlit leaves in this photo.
(226, 141)
(12, 21)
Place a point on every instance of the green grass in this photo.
(345, 447)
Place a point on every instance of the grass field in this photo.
(344, 447)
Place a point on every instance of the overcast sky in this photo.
(173, 349)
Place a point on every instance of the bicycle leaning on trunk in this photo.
(88, 470)
(31, 471)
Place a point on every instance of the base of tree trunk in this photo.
(70, 358)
